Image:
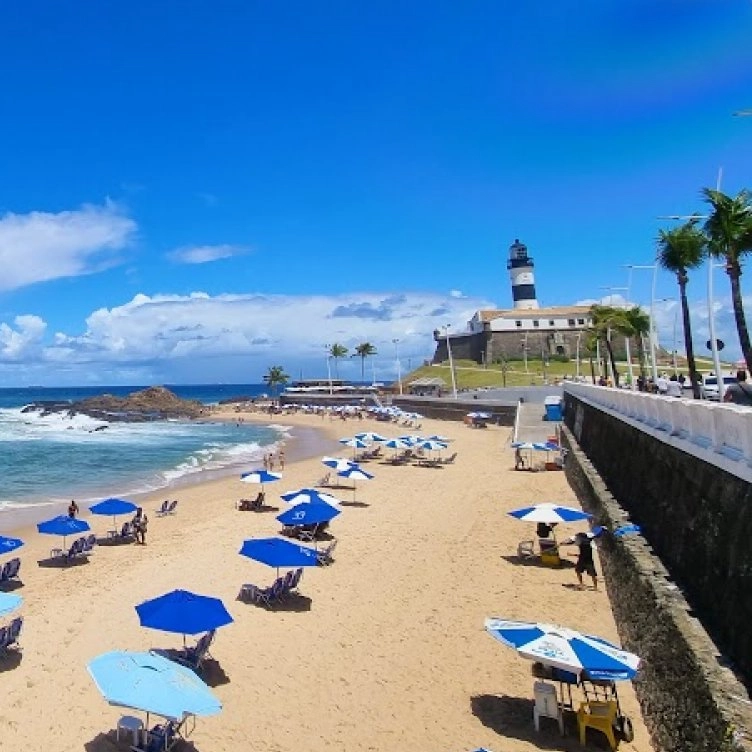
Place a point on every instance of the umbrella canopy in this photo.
(9, 544)
(549, 513)
(308, 495)
(566, 649)
(153, 684)
(338, 463)
(113, 507)
(432, 445)
(9, 602)
(310, 513)
(369, 436)
(260, 476)
(354, 442)
(623, 530)
(355, 473)
(183, 612)
(531, 446)
(396, 444)
(63, 525)
(278, 552)
(436, 437)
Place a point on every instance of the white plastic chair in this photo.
(546, 704)
(526, 549)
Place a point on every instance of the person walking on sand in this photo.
(585, 562)
(72, 509)
(281, 459)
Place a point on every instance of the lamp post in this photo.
(577, 355)
(329, 367)
(451, 361)
(399, 365)
(652, 339)
(524, 351)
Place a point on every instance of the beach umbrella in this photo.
(63, 525)
(436, 437)
(278, 552)
(114, 507)
(549, 513)
(308, 513)
(153, 684)
(183, 612)
(566, 649)
(370, 436)
(355, 443)
(308, 495)
(9, 602)
(396, 444)
(623, 530)
(7, 545)
(338, 463)
(260, 477)
(432, 445)
(355, 474)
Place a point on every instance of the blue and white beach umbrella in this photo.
(355, 474)
(354, 442)
(338, 463)
(566, 649)
(396, 444)
(309, 495)
(370, 436)
(260, 476)
(7, 545)
(549, 513)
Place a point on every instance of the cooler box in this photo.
(553, 408)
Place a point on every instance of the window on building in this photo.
(581, 322)
(536, 322)
(570, 322)
(551, 322)
(518, 323)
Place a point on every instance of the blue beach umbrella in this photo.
(152, 684)
(549, 513)
(566, 649)
(278, 552)
(355, 443)
(338, 463)
(114, 507)
(355, 474)
(308, 496)
(9, 602)
(311, 513)
(63, 525)
(7, 545)
(260, 476)
(183, 612)
(370, 436)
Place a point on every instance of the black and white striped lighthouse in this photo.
(520, 267)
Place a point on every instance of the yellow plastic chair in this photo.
(599, 715)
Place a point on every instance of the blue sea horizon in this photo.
(47, 460)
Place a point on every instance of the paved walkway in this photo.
(530, 423)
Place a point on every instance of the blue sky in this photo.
(193, 191)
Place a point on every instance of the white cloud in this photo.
(456, 294)
(42, 246)
(203, 254)
(233, 337)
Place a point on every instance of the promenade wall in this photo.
(680, 590)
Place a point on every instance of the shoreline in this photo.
(300, 442)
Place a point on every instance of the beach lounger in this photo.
(9, 635)
(325, 480)
(88, 544)
(450, 459)
(10, 570)
(172, 507)
(193, 656)
(163, 509)
(326, 555)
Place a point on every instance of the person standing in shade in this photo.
(739, 393)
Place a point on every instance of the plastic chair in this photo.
(600, 715)
(526, 549)
(546, 704)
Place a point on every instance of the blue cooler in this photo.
(553, 408)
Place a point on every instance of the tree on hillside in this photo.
(729, 233)
(337, 351)
(275, 377)
(679, 250)
(364, 350)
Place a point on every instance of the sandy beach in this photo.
(384, 650)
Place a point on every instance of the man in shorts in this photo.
(585, 562)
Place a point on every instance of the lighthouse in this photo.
(520, 267)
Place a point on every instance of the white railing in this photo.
(717, 433)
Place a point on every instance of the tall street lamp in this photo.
(399, 365)
(653, 354)
(451, 361)
(329, 367)
(577, 354)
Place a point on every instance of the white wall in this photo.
(720, 434)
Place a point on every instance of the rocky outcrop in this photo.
(154, 403)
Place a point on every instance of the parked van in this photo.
(709, 386)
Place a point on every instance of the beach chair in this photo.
(9, 635)
(128, 531)
(172, 507)
(297, 574)
(599, 715)
(287, 584)
(526, 549)
(450, 459)
(326, 555)
(10, 570)
(193, 656)
(546, 705)
(324, 480)
(161, 738)
(163, 509)
(88, 544)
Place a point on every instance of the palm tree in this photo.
(337, 351)
(275, 377)
(640, 323)
(608, 320)
(364, 350)
(679, 250)
(729, 232)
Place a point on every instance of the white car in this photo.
(709, 386)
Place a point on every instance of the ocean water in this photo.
(56, 458)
